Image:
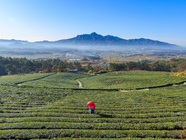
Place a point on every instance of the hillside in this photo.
(55, 112)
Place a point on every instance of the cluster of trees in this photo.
(174, 65)
(22, 65)
(178, 65)
(156, 66)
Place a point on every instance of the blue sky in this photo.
(36, 20)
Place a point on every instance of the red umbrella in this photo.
(91, 105)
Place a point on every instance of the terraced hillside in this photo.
(16, 79)
(130, 80)
(59, 80)
(30, 112)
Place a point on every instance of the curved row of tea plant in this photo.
(10, 110)
(93, 120)
(130, 80)
(95, 126)
(76, 133)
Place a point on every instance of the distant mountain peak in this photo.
(93, 33)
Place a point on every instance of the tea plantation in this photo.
(39, 109)
(130, 80)
(17, 79)
(59, 80)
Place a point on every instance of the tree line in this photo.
(174, 65)
(156, 66)
(22, 65)
(10, 65)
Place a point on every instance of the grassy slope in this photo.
(13, 79)
(59, 80)
(129, 80)
(112, 80)
(35, 113)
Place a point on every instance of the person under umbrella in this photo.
(91, 105)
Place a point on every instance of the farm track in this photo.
(145, 89)
(79, 84)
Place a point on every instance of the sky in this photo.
(37, 20)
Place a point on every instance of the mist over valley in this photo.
(85, 45)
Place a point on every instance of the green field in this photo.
(130, 80)
(31, 112)
(112, 80)
(59, 80)
(15, 79)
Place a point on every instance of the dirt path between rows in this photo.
(80, 84)
(145, 89)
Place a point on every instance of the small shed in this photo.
(75, 59)
(73, 70)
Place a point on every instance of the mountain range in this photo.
(96, 40)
